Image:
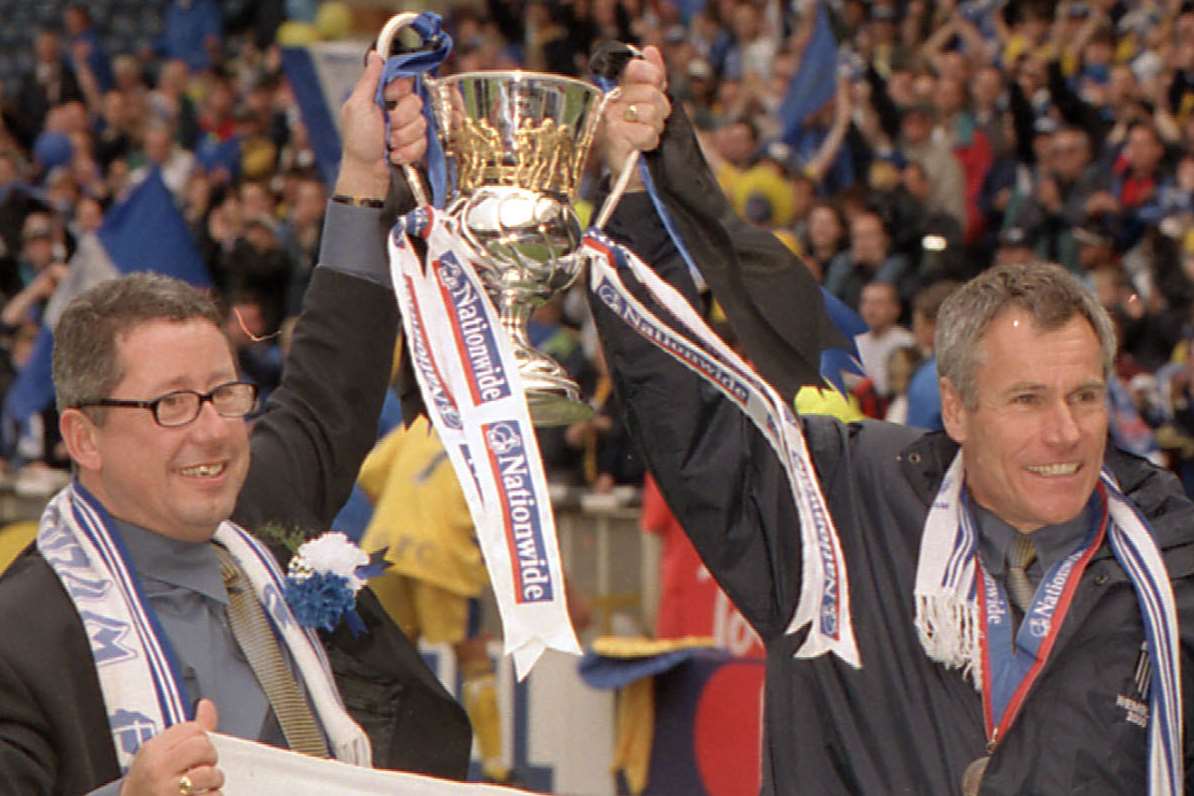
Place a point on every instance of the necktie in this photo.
(1019, 557)
(256, 639)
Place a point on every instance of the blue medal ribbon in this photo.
(1011, 667)
(415, 65)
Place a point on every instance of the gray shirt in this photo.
(182, 583)
(1053, 542)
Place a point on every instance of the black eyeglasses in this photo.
(231, 399)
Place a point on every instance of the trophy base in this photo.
(550, 409)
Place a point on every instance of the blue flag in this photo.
(145, 232)
(321, 76)
(843, 359)
(815, 81)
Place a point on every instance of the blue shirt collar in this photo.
(187, 565)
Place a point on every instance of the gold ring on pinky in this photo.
(185, 786)
(631, 113)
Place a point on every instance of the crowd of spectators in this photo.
(960, 134)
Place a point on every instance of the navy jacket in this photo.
(902, 723)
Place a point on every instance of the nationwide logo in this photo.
(663, 338)
(829, 578)
(275, 605)
(417, 222)
(1046, 603)
(474, 336)
(829, 616)
(425, 361)
(996, 607)
(609, 294)
(520, 513)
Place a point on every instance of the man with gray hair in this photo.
(1015, 584)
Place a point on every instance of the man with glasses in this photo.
(140, 619)
(180, 407)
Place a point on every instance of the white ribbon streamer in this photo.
(824, 603)
(474, 395)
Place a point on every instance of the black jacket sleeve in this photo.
(1023, 119)
(885, 107)
(321, 422)
(716, 471)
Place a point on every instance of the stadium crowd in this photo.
(959, 134)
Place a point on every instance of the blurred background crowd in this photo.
(897, 146)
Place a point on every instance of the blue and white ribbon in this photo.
(949, 616)
(474, 395)
(420, 65)
(824, 603)
(142, 688)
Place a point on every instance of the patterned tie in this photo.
(1019, 557)
(256, 639)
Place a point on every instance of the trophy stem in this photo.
(552, 397)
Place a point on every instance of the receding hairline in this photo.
(120, 339)
(1039, 326)
(86, 362)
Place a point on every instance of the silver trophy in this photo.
(516, 143)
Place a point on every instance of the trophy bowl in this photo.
(516, 145)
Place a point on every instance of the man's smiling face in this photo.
(180, 482)
(1033, 443)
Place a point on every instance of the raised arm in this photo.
(322, 420)
(716, 472)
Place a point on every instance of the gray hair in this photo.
(1049, 294)
(86, 364)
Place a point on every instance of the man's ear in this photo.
(79, 435)
(953, 411)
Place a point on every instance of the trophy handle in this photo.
(615, 194)
(385, 40)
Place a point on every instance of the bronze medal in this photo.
(972, 778)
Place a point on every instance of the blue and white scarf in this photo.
(949, 623)
(142, 687)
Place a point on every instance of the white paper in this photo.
(253, 769)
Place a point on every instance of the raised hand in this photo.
(364, 170)
(635, 120)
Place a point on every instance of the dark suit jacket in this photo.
(54, 732)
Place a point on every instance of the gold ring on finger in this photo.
(631, 113)
(185, 786)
